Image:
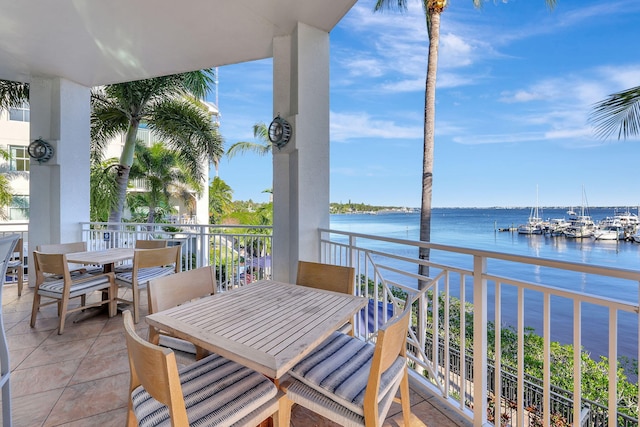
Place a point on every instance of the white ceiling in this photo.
(95, 42)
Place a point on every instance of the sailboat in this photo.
(581, 225)
(535, 224)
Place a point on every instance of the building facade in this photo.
(15, 138)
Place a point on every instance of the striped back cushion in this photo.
(53, 288)
(217, 392)
(339, 369)
(144, 274)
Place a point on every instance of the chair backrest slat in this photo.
(151, 244)
(326, 276)
(175, 289)
(144, 258)
(62, 248)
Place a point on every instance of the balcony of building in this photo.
(444, 377)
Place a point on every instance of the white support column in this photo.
(301, 168)
(59, 188)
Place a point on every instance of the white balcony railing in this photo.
(240, 253)
(474, 280)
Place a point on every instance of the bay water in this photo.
(478, 228)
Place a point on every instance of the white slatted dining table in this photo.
(267, 325)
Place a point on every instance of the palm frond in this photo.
(401, 5)
(188, 130)
(618, 114)
(13, 94)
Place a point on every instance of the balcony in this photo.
(465, 287)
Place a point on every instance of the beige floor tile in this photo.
(47, 354)
(116, 418)
(89, 399)
(101, 366)
(31, 339)
(75, 331)
(43, 324)
(43, 378)
(32, 410)
(108, 343)
(16, 357)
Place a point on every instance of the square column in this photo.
(59, 188)
(300, 168)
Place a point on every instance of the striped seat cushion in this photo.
(339, 369)
(217, 392)
(14, 263)
(53, 287)
(144, 275)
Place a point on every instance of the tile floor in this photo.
(81, 378)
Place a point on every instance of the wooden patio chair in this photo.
(176, 289)
(213, 391)
(55, 282)
(67, 248)
(148, 264)
(329, 277)
(141, 244)
(15, 264)
(353, 382)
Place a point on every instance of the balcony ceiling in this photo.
(101, 42)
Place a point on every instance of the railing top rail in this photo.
(177, 225)
(523, 259)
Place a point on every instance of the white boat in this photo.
(556, 226)
(534, 224)
(620, 226)
(609, 232)
(636, 237)
(581, 225)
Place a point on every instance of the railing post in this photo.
(203, 242)
(480, 377)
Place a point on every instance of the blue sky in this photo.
(515, 86)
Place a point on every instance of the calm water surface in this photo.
(477, 229)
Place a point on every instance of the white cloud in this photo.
(345, 126)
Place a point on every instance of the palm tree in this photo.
(103, 189)
(432, 10)
(163, 177)
(261, 133)
(170, 106)
(220, 199)
(618, 113)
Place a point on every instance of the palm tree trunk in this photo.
(429, 138)
(123, 169)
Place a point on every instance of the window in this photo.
(18, 158)
(20, 114)
(19, 208)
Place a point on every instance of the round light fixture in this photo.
(40, 150)
(279, 132)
